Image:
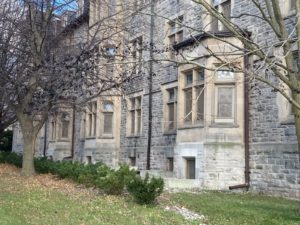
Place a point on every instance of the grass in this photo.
(42, 200)
(240, 209)
(45, 200)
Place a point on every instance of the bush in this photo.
(14, 158)
(6, 140)
(145, 191)
(3, 156)
(43, 165)
(113, 181)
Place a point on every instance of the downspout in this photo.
(150, 86)
(45, 139)
(73, 133)
(246, 128)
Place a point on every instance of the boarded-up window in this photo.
(225, 102)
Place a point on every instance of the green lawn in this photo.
(43, 200)
(237, 209)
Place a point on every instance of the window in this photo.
(293, 4)
(53, 129)
(175, 33)
(170, 164)
(135, 115)
(224, 7)
(109, 52)
(83, 126)
(190, 168)
(111, 7)
(92, 119)
(89, 160)
(194, 96)
(225, 97)
(65, 122)
(108, 112)
(171, 109)
(137, 55)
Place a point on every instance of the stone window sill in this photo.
(224, 125)
(190, 126)
(288, 121)
(106, 137)
(63, 140)
(90, 138)
(169, 132)
(133, 136)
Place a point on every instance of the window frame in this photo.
(134, 117)
(91, 116)
(225, 83)
(107, 112)
(219, 5)
(194, 87)
(174, 103)
(65, 117)
(175, 32)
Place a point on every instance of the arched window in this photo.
(108, 112)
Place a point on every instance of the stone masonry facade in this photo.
(203, 153)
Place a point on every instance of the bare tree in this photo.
(46, 68)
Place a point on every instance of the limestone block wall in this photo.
(274, 156)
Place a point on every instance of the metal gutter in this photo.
(246, 128)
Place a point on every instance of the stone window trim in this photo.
(91, 119)
(225, 83)
(224, 7)
(136, 54)
(134, 115)
(285, 112)
(53, 129)
(63, 127)
(167, 89)
(194, 90)
(107, 112)
(174, 33)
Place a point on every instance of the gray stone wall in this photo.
(274, 156)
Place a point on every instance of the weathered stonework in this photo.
(218, 150)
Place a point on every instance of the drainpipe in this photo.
(73, 133)
(45, 138)
(246, 128)
(150, 86)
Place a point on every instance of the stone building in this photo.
(200, 128)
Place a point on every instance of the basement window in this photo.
(190, 168)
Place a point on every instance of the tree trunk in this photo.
(28, 153)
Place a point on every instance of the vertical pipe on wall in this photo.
(45, 138)
(148, 167)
